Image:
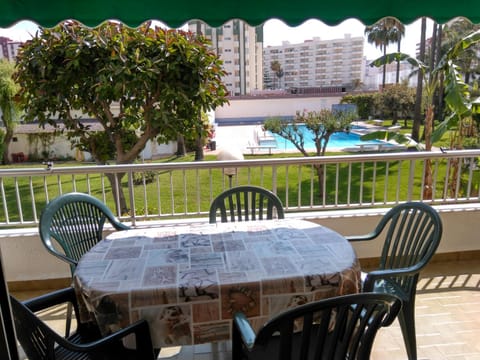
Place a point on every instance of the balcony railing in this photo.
(186, 189)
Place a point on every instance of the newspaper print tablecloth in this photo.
(188, 280)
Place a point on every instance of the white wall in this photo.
(62, 148)
(24, 257)
(261, 107)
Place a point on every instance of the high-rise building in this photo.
(8, 48)
(315, 63)
(240, 47)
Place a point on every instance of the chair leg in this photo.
(406, 318)
(68, 321)
(237, 351)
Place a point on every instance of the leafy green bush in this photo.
(365, 103)
(139, 178)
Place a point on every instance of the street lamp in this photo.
(232, 153)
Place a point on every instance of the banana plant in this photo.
(460, 106)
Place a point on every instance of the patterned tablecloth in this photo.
(188, 280)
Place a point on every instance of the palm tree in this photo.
(417, 118)
(381, 34)
(276, 67)
(398, 32)
(8, 106)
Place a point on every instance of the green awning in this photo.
(214, 12)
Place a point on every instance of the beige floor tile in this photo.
(447, 319)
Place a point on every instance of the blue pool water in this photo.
(337, 140)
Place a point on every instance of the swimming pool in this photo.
(337, 141)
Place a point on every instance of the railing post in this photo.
(133, 213)
(411, 179)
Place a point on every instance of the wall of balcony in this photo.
(27, 264)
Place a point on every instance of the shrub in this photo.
(365, 103)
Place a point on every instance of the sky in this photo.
(275, 32)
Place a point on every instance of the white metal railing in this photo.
(186, 189)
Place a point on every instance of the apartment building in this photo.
(240, 47)
(316, 63)
(373, 76)
(8, 48)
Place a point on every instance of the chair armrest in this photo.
(121, 226)
(51, 249)
(369, 236)
(375, 275)
(245, 329)
(51, 299)
(139, 328)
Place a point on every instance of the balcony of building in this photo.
(354, 193)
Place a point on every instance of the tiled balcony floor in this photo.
(447, 319)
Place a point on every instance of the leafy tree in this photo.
(398, 99)
(8, 104)
(322, 124)
(140, 84)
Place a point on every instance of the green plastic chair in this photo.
(75, 221)
(412, 234)
(40, 342)
(245, 203)
(337, 328)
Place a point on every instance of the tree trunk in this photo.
(417, 119)
(439, 107)
(6, 144)
(428, 178)
(433, 47)
(384, 68)
(397, 79)
(181, 148)
(117, 191)
(199, 156)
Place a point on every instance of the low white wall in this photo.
(25, 259)
(460, 232)
(62, 148)
(269, 107)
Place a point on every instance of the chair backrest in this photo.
(244, 203)
(412, 234)
(342, 327)
(75, 221)
(36, 338)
